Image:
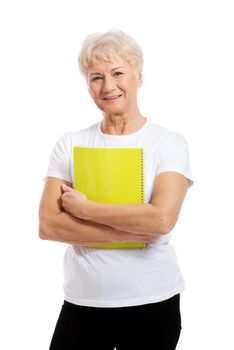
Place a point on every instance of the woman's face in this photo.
(113, 85)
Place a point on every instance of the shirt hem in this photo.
(58, 176)
(122, 303)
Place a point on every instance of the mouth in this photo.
(112, 98)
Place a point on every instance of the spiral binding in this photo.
(142, 175)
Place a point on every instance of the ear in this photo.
(139, 79)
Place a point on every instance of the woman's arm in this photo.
(57, 225)
(157, 217)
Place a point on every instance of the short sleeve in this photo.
(174, 156)
(59, 162)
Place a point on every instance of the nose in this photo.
(108, 85)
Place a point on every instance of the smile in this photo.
(112, 98)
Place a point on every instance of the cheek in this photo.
(95, 91)
(93, 88)
(129, 85)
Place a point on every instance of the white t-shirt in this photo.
(123, 277)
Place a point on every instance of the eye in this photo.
(96, 78)
(117, 73)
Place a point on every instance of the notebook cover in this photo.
(110, 175)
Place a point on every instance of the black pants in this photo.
(151, 326)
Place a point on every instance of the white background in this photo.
(188, 87)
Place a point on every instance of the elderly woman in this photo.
(117, 298)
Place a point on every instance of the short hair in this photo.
(107, 45)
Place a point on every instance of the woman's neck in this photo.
(122, 124)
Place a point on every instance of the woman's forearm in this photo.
(134, 218)
(65, 228)
(142, 218)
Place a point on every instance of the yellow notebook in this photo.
(110, 175)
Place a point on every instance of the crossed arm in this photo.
(68, 216)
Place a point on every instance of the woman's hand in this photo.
(74, 202)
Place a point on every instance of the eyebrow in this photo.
(111, 70)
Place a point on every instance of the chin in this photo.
(113, 109)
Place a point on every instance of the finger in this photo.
(66, 188)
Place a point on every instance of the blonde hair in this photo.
(107, 45)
